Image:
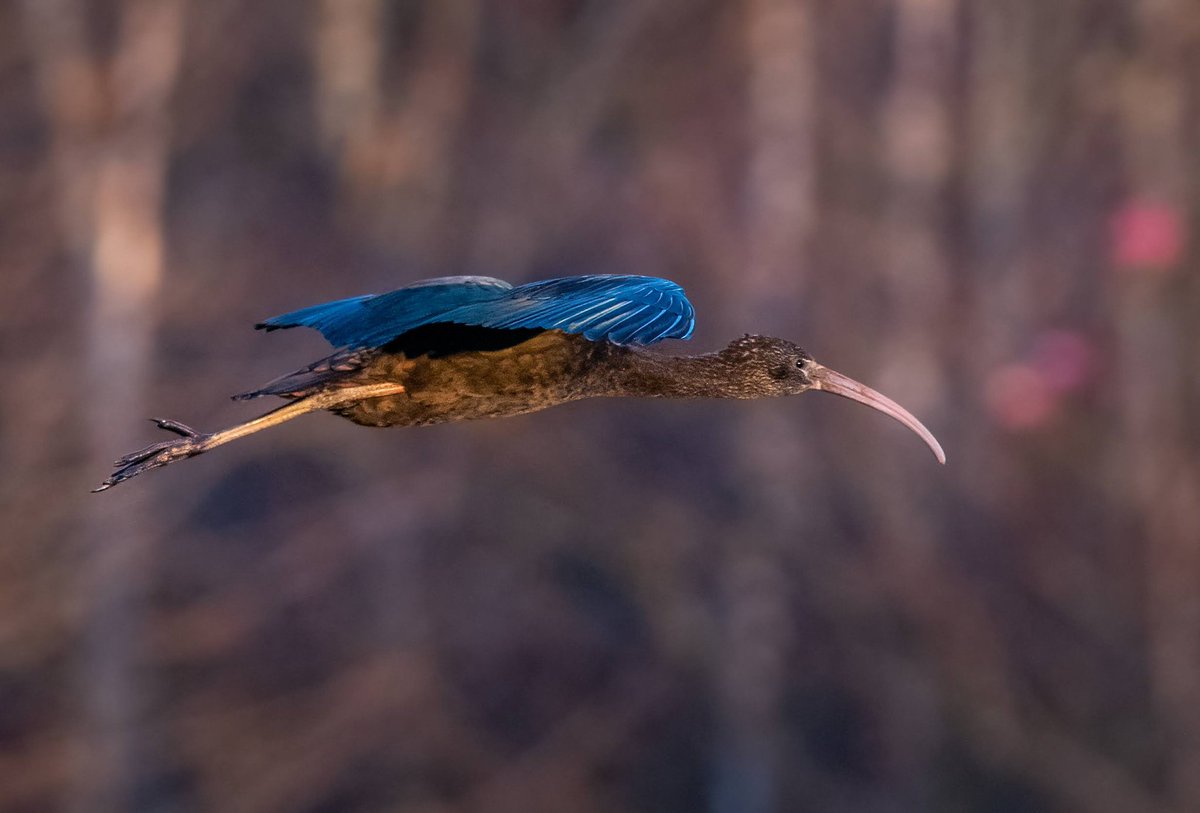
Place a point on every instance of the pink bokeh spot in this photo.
(1065, 359)
(1018, 398)
(1147, 236)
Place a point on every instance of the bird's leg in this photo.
(191, 443)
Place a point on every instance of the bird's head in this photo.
(765, 367)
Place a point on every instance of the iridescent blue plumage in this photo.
(616, 308)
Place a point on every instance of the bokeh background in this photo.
(986, 210)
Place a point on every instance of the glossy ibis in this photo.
(458, 348)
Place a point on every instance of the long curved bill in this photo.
(828, 380)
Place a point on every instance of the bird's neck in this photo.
(640, 373)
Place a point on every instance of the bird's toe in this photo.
(156, 456)
(178, 428)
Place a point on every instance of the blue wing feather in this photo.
(616, 308)
(376, 319)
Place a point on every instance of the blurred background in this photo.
(986, 210)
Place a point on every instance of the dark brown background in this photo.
(985, 209)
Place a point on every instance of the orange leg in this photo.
(191, 443)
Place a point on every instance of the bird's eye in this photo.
(800, 364)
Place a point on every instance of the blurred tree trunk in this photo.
(780, 188)
(997, 171)
(110, 149)
(394, 145)
(917, 150)
(1159, 95)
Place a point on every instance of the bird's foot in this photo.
(189, 444)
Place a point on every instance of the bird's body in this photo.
(466, 348)
(546, 369)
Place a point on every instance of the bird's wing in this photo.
(617, 308)
(375, 319)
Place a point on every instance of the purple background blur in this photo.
(986, 210)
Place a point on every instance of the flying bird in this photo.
(461, 348)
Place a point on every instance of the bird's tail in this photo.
(320, 375)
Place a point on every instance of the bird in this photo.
(473, 347)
